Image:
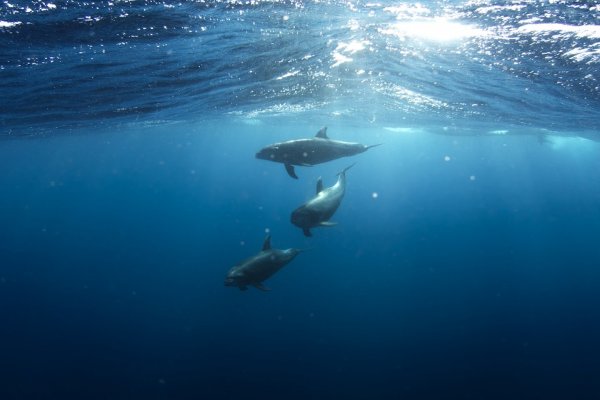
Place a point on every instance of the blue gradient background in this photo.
(115, 246)
(465, 263)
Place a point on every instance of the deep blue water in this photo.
(465, 260)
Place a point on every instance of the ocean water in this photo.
(465, 263)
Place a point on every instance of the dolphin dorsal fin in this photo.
(267, 243)
(322, 133)
(319, 185)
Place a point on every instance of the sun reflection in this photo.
(349, 48)
(435, 29)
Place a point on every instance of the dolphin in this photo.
(317, 211)
(308, 152)
(254, 270)
(543, 139)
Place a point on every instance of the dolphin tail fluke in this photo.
(289, 168)
(346, 169)
(372, 145)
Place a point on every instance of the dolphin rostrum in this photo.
(254, 270)
(317, 211)
(308, 152)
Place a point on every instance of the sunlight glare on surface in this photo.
(435, 29)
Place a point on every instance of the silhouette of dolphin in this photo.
(308, 152)
(254, 270)
(317, 211)
(543, 139)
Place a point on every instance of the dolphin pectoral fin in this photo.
(261, 287)
(290, 170)
(306, 232)
(322, 133)
(319, 185)
(328, 224)
(242, 288)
